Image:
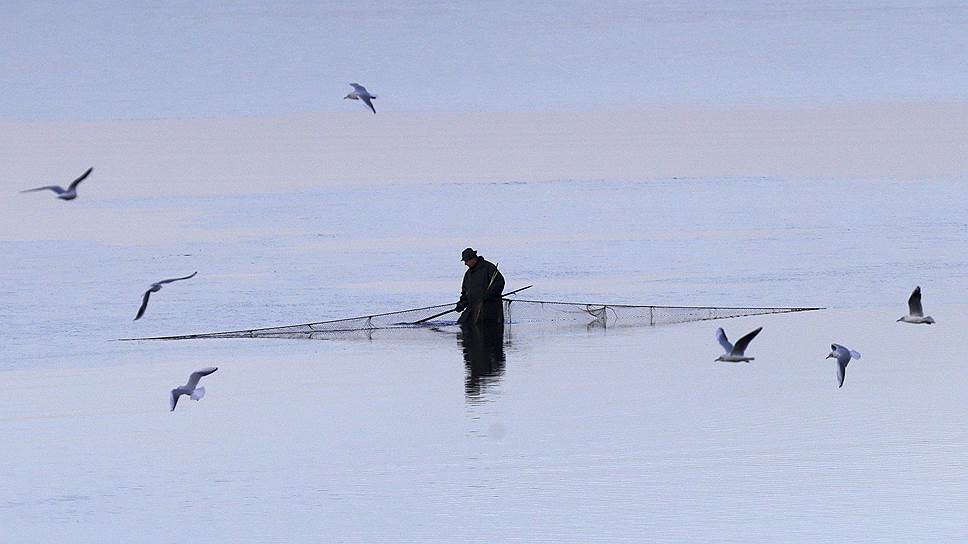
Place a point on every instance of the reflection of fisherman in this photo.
(480, 298)
(483, 348)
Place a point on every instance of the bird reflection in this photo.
(483, 347)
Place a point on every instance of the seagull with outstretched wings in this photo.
(915, 311)
(64, 194)
(735, 353)
(155, 287)
(360, 93)
(191, 388)
(843, 355)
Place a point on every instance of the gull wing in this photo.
(914, 303)
(359, 88)
(197, 375)
(721, 338)
(173, 399)
(740, 347)
(80, 179)
(162, 282)
(144, 305)
(841, 371)
(366, 98)
(56, 188)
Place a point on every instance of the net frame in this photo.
(543, 313)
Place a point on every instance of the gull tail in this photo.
(854, 354)
(198, 393)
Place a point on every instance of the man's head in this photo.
(469, 256)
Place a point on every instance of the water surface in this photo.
(567, 436)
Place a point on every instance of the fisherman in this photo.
(480, 299)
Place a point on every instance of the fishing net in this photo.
(517, 312)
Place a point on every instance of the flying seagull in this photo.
(735, 353)
(64, 194)
(843, 355)
(360, 93)
(915, 311)
(191, 388)
(155, 287)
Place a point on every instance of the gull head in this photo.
(350, 96)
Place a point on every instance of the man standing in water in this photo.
(480, 298)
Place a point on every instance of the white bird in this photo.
(191, 388)
(155, 287)
(843, 356)
(360, 93)
(915, 311)
(735, 353)
(64, 194)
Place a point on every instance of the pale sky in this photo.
(123, 60)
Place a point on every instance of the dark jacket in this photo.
(477, 297)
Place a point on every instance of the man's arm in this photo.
(462, 302)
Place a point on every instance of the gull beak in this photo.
(829, 356)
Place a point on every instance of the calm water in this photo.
(619, 435)
(291, 258)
